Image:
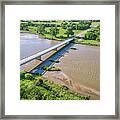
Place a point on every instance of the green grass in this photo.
(90, 42)
(32, 29)
(95, 23)
(24, 31)
(39, 88)
(76, 32)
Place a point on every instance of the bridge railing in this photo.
(39, 54)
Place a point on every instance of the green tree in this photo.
(69, 31)
(93, 34)
(24, 26)
(41, 29)
(64, 25)
(54, 31)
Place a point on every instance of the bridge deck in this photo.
(39, 54)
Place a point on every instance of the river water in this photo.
(31, 44)
(81, 65)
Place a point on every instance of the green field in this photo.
(90, 42)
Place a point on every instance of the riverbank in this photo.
(60, 30)
(80, 70)
(87, 42)
(36, 87)
(59, 77)
(76, 41)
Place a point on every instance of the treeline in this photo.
(75, 25)
(79, 25)
(93, 34)
(68, 27)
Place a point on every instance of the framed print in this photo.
(59, 59)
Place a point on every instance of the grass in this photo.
(90, 42)
(95, 23)
(24, 31)
(76, 32)
(39, 88)
(32, 29)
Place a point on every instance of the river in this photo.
(82, 66)
(31, 44)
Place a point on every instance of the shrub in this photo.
(22, 74)
(65, 87)
(39, 81)
(28, 76)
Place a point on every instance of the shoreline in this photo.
(60, 77)
(59, 40)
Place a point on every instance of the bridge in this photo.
(39, 54)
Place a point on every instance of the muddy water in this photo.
(31, 44)
(82, 65)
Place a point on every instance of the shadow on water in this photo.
(48, 62)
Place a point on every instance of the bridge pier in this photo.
(39, 58)
(55, 49)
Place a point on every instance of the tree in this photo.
(69, 31)
(54, 31)
(64, 25)
(93, 34)
(83, 24)
(41, 29)
(24, 26)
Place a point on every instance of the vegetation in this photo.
(87, 42)
(63, 29)
(41, 29)
(39, 88)
(93, 34)
(90, 42)
(69, 32)
(51, 68)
